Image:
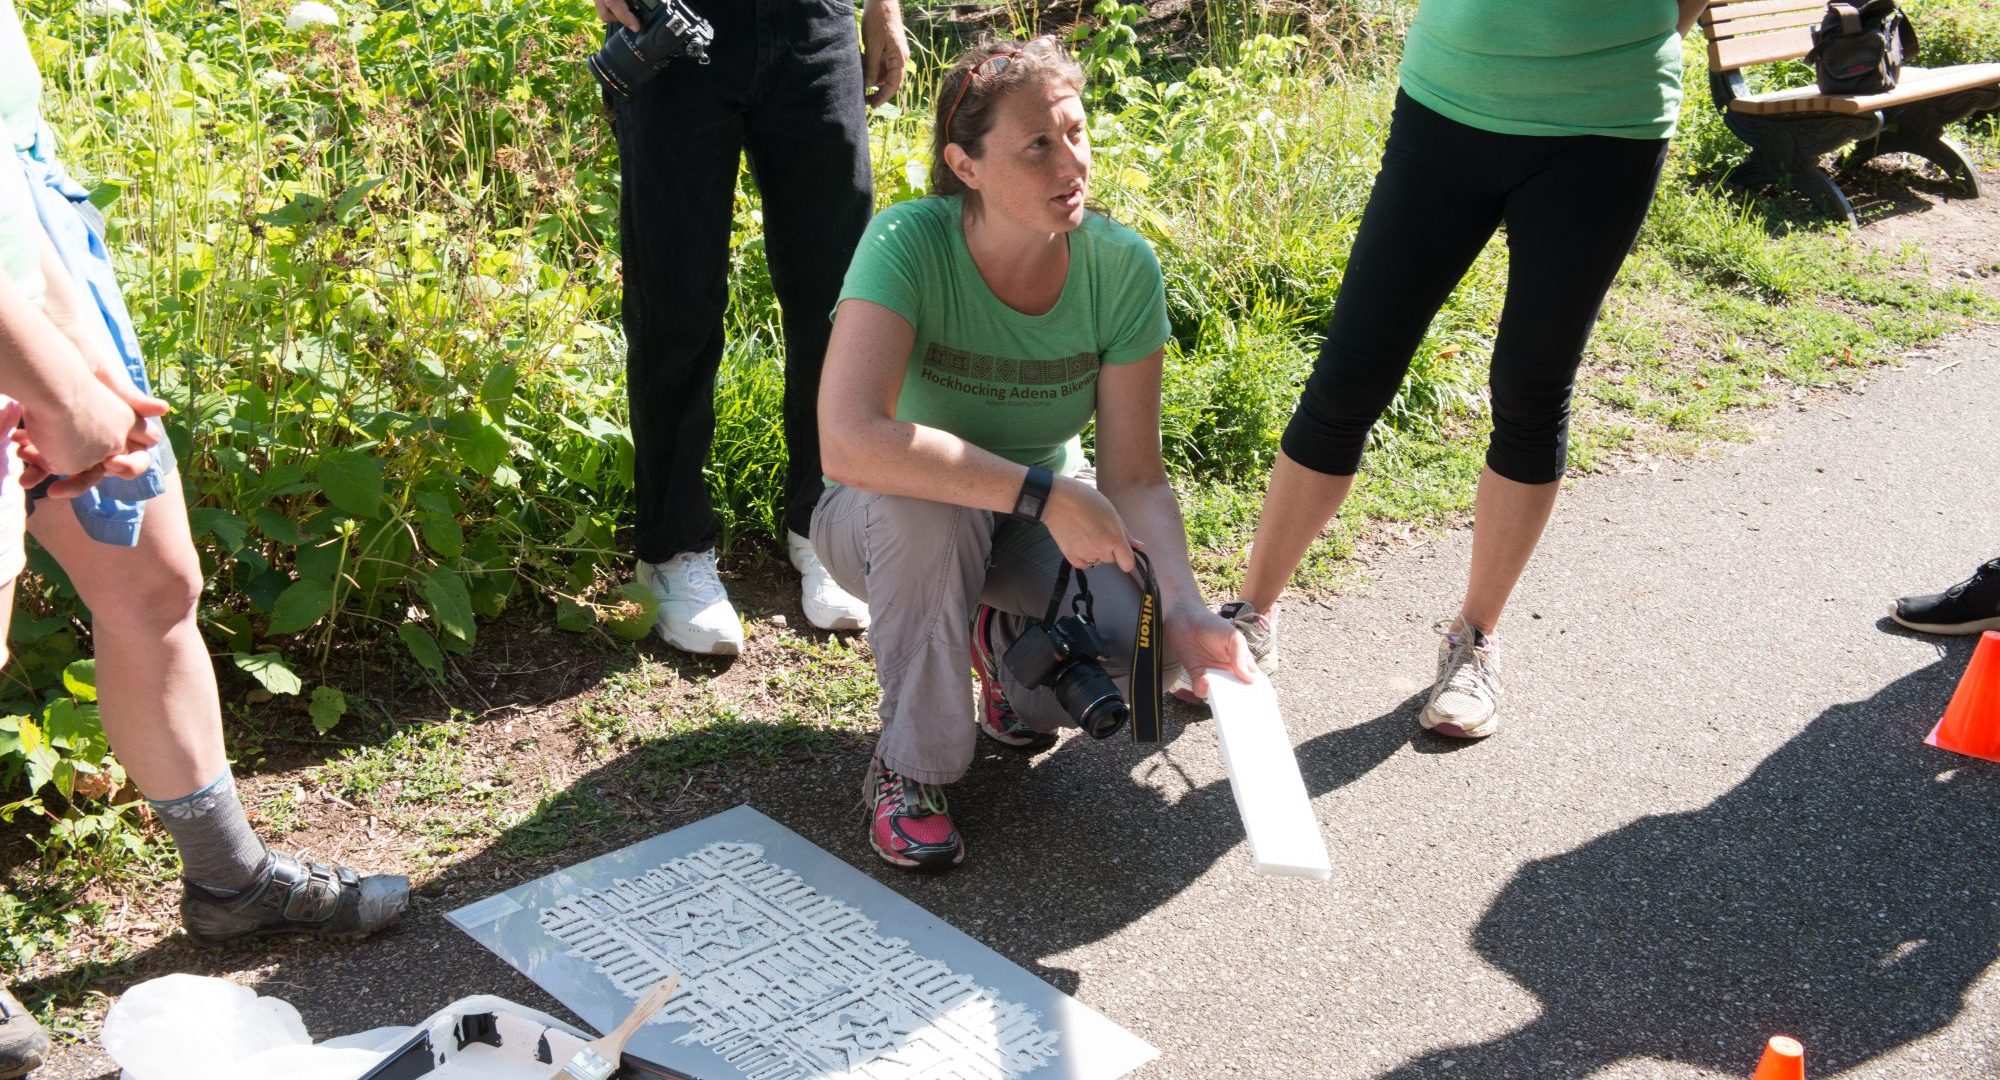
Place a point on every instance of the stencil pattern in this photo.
(787, 984)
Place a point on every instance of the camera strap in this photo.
(1148, 680)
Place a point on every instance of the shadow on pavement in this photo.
(1843, 894)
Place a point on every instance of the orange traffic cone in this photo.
(1784, 1059)
(1971, 723)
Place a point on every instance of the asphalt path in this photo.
(1709, 817)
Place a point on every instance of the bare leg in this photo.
(155, 679)
(1508, 519)
(1297, 506)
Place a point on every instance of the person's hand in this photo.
(617, 11)
(106, 433)
(1203, 642)
(885, 49)
(1086, 527)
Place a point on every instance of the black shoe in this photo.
(293, 897)
(1969, 607)
(22, 1041)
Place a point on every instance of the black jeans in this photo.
(784, 85)
(1572, 206)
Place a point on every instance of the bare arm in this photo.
(84, 417)
(1691, 11)
(864, 446)
(75, 420)
(1132, 475)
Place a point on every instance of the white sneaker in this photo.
(1465, 700)
(828, 606)
(695, 614)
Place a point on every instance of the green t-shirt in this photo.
(1549, 67)
(1021, 386)
(20, 119)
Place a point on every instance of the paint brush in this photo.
(599, 1060)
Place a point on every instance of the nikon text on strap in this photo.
(1147, 684)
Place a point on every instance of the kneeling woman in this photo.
(980, 329)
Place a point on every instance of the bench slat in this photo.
(1734, 53)
(1916, 85)
(1745, 9)
(1736, 28)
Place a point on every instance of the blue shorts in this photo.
(112, 510)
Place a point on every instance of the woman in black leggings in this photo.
(1550, 119)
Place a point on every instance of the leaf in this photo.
(633, 618)
(270, 669)
(265, 589)
(231, 531)
(351, 199)
(42, 762)
(450, 603)
(29, 734)
(486, 449)
(302, 210)
(279, 527)
(352, 480)
(498, 389)
(72, 727)
(328, 706)
(441, 532)
(422, 646)
(302, 604)
(80, 679)
(573, 617)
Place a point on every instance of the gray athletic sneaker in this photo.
(1465, 700)
(1260, 632)
(22, 1041)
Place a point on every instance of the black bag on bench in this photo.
(1859, 48)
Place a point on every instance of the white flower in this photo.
(273, 79)
(98, 9)
(311, 15)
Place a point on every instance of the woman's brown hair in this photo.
(969, 99)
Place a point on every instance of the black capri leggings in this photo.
(1572, 206)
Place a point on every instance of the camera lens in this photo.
(1088, 694)
(617, 67)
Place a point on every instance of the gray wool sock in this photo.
(219, 852)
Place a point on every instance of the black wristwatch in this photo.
(1034, 496)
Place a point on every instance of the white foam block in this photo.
(1264, 775)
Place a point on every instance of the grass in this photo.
(464, 307)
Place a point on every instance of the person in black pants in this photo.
(785, 84)
(1549, 120)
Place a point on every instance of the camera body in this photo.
(667, 29)
(1068, 655)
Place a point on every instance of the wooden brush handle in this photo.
(612, 1045)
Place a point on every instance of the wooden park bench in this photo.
(1790, 131)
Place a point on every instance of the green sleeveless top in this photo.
(1549, 67)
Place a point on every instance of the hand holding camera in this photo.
(646, 35)
(1086, 527)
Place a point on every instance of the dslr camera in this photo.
(1067, 655)
(667, 29)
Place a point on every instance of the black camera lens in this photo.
(617, 67)
(1088, 694)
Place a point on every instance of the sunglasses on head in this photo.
(991, 68)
